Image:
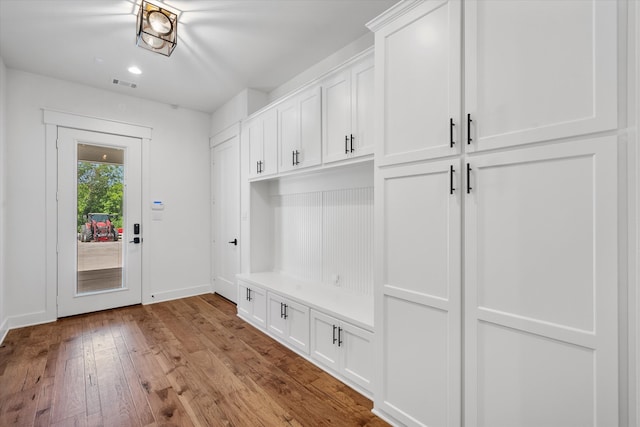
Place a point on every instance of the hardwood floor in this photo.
(189, 362)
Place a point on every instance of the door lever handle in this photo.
(135, 240)
(234, 241)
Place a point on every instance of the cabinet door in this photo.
(259, 306)
(270, 142)
(541, 286)
(324, 340)
(362, 101)
(276, 323)
(253, 135)
(419, 305)
(310, 128)
(336, 93)
(418, 87)
(356, 349)
(244, 305)
(288, 134)
(298, 326)
(521, 84)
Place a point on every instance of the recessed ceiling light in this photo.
(135, 70)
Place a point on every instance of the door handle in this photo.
(235, 242)
(135, 240)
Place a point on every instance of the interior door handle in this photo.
(235, 242)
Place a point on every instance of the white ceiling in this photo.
(223, 46)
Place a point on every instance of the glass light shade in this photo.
(157, 29)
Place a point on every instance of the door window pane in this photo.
(99, 226)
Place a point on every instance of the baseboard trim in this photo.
(155, 297)
(384, 416)
(4, 328)
(24, 320)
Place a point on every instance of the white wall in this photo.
(237, 108)
(3, 122)
(324, 66)
(177, 169)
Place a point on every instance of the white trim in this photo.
(77, 121)
(4, 329)
(392, 13)
(634, 32)
(225, 135)
(179, 293)
(146, 220)
(51, 225)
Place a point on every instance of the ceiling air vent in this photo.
(124, 83)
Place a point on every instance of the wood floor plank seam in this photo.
(187, 362)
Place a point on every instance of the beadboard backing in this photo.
(327, 237)
(316, 227)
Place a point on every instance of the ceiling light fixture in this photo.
(134, 70)
(157, 28)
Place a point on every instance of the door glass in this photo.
(100, 192)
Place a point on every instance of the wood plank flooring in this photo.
(189, 362)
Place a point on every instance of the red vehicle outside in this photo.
(98, 228)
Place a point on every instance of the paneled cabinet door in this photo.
(419, 305)
(357, 364)
(541, 316)
(276, 322)
(324, 337)
(348, 112)
(299, 131)
(289, 321)
(342, 347)
(252, 304)
(521, 87)
(418, 84)
(260, 136)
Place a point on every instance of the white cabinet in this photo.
(521, 86)
(288, 321)
(418, 308)
(299, 131)
(343, 348)
(541, 317)
(252, 304)
(347, 111)
(418, 78)
(260, 136)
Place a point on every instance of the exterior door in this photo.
(99, 205)
(226, 216)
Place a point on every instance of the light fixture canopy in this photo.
(157, 28)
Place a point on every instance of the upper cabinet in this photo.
(418, 63)
(522, 84)
(537, 71)
(299, 136)
(261, 137)
(347, 111)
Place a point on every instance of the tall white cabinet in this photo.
(496, 209)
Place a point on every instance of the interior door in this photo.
(226, 216)
(99, 206)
